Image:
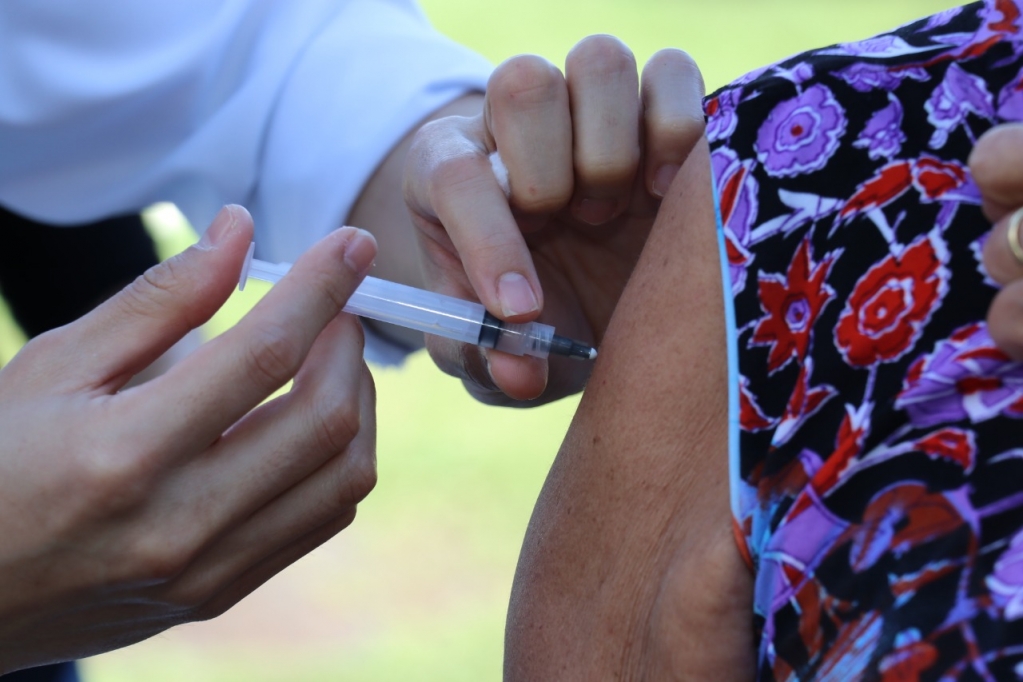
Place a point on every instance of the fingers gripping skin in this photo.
(995, 166)
(588, 154)
(124, 513)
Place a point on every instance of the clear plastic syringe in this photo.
(437, 314)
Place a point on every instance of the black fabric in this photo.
(51, 276)
(61, 672)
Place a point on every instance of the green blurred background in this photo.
(417, 588)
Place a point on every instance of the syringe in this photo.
(437, 314)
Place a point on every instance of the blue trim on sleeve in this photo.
(732, 342)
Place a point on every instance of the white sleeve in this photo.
(107, 106)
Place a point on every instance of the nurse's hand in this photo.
(589, 154)
(125, 512)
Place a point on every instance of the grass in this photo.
(417, 588)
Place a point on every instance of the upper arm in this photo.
(629, 552)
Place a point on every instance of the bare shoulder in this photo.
(629, 551)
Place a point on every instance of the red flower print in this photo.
(907, 663)
(953, 444)
(892, 303)
(908, 584)
(882, 189)
(751, 417)
(851, 434)
(1010, 13)
(899, 519)
(711, 106)
(805, 402)
(792, 303)
(935, 178)
(965, 377)
(854, 637)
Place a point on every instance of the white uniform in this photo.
(285, 106)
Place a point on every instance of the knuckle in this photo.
(493, 247)
(534, 201)
(607, 167)
(525, 81)
(336, 422)
(191, 597)
(438, 144)
(1005, 321)
(113, 482)
(336, 289)
(154, 289)
(159, 558)
(215, 607)
(680, 127)
(997, 257)
(677, 69)
(672, 58)
(273, 355)
(453, 176)
(356, 479)
(994, 163)
(605, 55)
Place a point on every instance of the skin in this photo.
(629, 570)
(130, 511)
(589, 154)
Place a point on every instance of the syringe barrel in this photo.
(426, 311)
(525, 338)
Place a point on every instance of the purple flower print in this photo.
(752, 75)
(721, 118)
(959, 94)
(1010, 100)
(864, 76)
(942, 18)
(883, 137)
(801, 134)
(737, 201)
(798, 74)
(977, 248)
(1006, 582)
(966, 377)
(880, 46)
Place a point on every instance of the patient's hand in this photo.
(588, 155)
(629, 570)
(996, 167)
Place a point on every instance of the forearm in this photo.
(628, 569)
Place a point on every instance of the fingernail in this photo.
(662, 179)
(360, 250)
(220, 227)
(595, 211)
(515, 295)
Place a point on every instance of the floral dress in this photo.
(877, 472)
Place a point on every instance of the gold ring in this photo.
(1013, 234)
